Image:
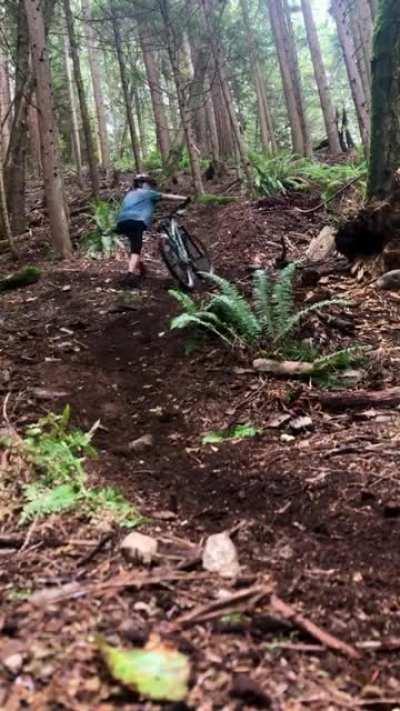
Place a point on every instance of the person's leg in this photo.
(134, 263)
(136, 243)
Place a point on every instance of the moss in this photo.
(25, 277)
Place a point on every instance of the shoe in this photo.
(131, 281)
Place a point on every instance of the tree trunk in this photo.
(211, 124)
(95, 72)
(34, 137)
(360, 101)
(267, 139)
(362, 47)
(76, 140)
(5, 104)
(141, 121)
(277, 24)
(385, 130)
(183, 100)
(125, 88)
(5, 227)
(154, 82)
(87, 129)
(224, 128)
(53, 183)
(321, 78)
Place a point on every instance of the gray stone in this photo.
(138, 548)
(142, 443)
(304, 422)
(389, 281)
(220, 556)
(322, 246)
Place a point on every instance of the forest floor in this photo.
(316, 517)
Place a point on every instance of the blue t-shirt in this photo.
(139, 205)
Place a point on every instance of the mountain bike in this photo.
(185, 256)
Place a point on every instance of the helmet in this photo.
(143, 179)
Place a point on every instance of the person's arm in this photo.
(170, 196)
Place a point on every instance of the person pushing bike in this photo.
(135, 217)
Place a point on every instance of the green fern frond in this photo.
(44, 502)
(262, 297)
(238, 314)
(282, 300)
(187, 303)
(339, 360)
(200, 321)
(294, 321)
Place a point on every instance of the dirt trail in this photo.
(315, 514)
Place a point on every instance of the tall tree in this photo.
(5, 102)
(385, 133)
(266, 128)
(125, 87)
(321, 78)
(95, 72)
(156, 94)
(340, 12)
(75, 133)
(53, 182)
(87, 129)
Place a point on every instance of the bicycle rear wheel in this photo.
(183, 273)
(198, 254)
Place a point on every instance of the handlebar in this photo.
(178, 209)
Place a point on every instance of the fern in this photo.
(188, 304)
(232, 307)
(262, 297)
(43, 502)
(102, 241)
(283, 302)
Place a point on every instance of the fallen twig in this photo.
(326, 639)
(204, 610)
(324, 203)
(97, 548)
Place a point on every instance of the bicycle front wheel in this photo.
(198, 254)
(183, 273)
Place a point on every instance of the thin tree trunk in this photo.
(5, 104)
(125, 88)
(291, 50)
(5, 227)
(385, 134)
(267, 139)
(76, 141)
(154, 82)
(360, 51)
(34, 136)
(321, 78)
(212, 125)
(53, 183)
(87, 129)
(275, 13)
(95, 72)
(357, 90)
(183, 102)
(141, 122)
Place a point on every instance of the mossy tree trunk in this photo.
(385, 128)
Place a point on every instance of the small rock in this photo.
(287, 438)
(164, 515)
(390, 280)
(139, 548)
(142, 443)
(13, 663)
(220, 556)
(278, 421)
(304, 422)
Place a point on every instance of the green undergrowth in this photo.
(268, 324)
(284, 172)
(102, 241)
(54, 455)
(237, 433)
(27, 276)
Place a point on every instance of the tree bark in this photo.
(183, 99)
(95, 72)
(154, 82)
(385, 133)
(276, 17)
(87, 129)
(5, 104)
(360, 101)
(53, 183)
(291, 49)
(267, 137)
(321, 78)
(5, 227)
(34, 137)
(76, 140)
(125, 88)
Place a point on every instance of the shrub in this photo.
(102, 241)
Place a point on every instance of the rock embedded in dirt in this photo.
(220, 556)
(304, 422)
(13, 663)
(389, 281)
(322, 246)
(142, 443)
(138, 548)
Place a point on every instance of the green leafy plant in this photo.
(237, 433)
(102, 241)
(56, 454)
(271, 321)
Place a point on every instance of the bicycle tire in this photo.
(198, 254)
(183, 273)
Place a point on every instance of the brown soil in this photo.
(319, 514)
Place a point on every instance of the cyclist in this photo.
(135, 216)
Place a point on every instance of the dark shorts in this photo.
(133, 230)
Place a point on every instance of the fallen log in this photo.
(344, 400)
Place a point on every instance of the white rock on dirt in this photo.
(220, 556)
(13, 663)
(142, 443)
(322, 246)
(138, 548)
(304, 422)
